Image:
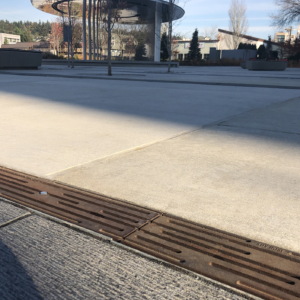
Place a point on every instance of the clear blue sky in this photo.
(199, 13)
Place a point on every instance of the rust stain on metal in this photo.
(257, 268)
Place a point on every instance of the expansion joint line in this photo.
(15, 220)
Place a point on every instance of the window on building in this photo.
(280, 38)
(180, 57)
(112, 41)
(206, 56)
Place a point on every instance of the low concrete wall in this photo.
(115, 63)
(19, 59)
(243, 65)
(261, 65)
(244, 54)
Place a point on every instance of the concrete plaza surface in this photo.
(221, 155)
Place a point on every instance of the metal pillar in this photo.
(84, 29)
(90, 30)
(94, 31)
(157, 31)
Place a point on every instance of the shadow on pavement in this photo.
(15, 283)
(170, 103)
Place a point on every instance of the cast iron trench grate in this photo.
(257, 268)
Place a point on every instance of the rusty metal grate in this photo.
(102, 214)
(263, 270)
(266, 271)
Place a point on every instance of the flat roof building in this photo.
(9, 39)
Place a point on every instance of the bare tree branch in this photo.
(211, 32)
(238, 22)
(288, 13)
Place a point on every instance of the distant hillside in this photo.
(29, 31)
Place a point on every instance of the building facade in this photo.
(180, 48)
(9, 39)
(223, 47)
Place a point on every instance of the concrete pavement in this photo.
(210, 75)
(223, 156)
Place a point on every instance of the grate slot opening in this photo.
(12, 187)
(13, 178)
(107, 201)
(236, 242)
(277, 287)
(95, 214)
(228, 260)
(158, 244)
(202, 239)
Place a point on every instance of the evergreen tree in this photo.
(17, 31)
(26, 29)
(194, 53)
(26, 36)
(140, 51)
(247, 46)
(164, 55)
(261, 52)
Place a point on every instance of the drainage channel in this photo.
(262, 270)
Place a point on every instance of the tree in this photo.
(56, 35)
(247, 46)
(76, 33)
(194, 52)
(26, 36)
(238, 22)
(294, 51)
(211, 32)
(261, 52)
(113, 16)
(164, 55)
(130, 47)
(140, 51)
(169, 13)
(121, 32)
(43, 32)
(6, 41)
(290, 50)
(288, 12)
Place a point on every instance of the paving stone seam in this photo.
(219, 122)
(260, 129)
(156, 81)
(157, 260)
(15, 220)
(143, 146)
